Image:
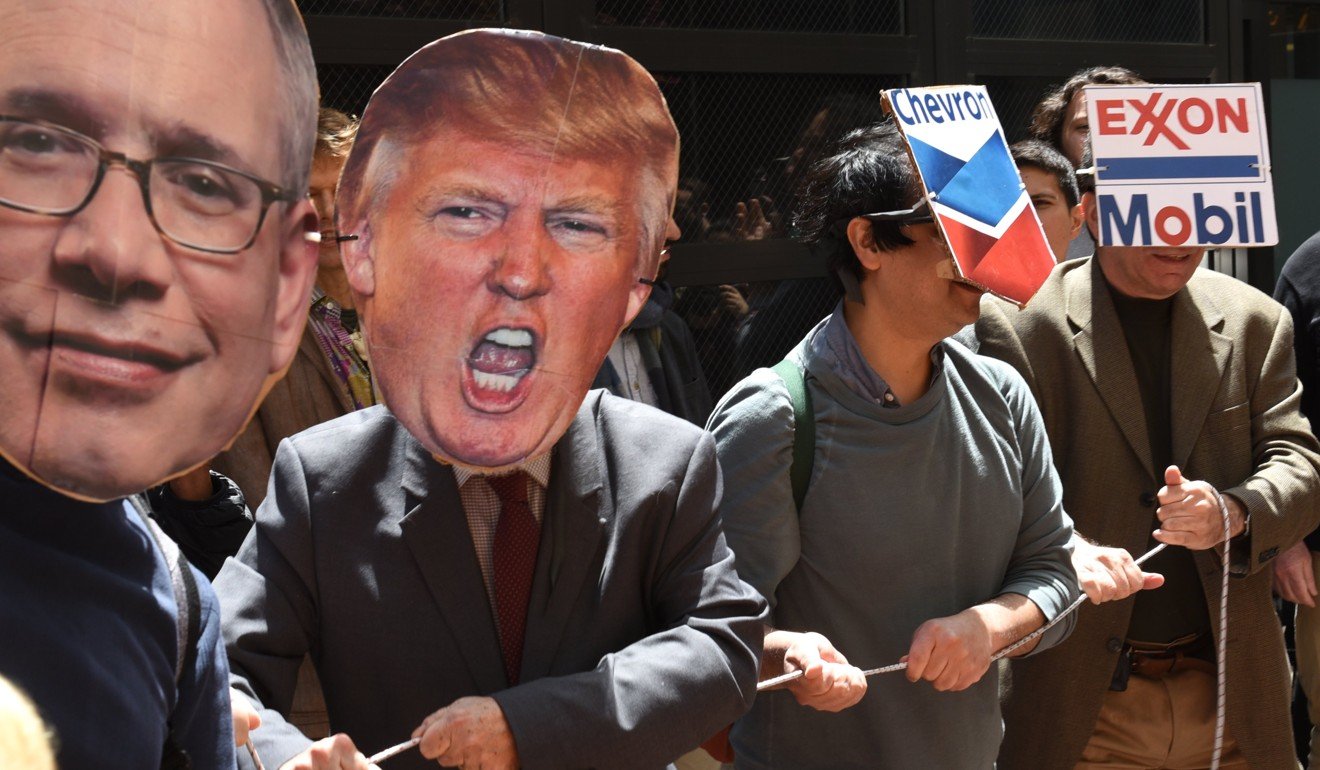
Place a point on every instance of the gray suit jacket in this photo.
(1235, 424)
(641, 640)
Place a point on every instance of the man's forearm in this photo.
(772, 651)
(1008, 618)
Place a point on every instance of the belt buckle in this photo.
(1157, 662)
(1153, 666)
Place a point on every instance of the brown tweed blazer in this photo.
(1235, 424)
(308, 394)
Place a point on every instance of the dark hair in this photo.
(1086, 172)
(1039, 155)
(1050, 114)
(868, 170)
(844, 112)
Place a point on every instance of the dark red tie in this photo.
(517, 537)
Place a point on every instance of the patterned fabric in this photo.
(482, 507)
(517, 539)
(340, 338)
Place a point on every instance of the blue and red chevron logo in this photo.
(986, 217)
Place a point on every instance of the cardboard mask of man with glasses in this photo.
(154, 268)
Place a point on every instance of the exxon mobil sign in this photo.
(1181, 165)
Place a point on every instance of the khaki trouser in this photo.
(1167, 721)
(308, 712)
(697, 759)
(1306, 634)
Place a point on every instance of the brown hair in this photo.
(335, 132)
(1049, 116)
(530, 90)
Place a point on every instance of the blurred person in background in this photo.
(655, 359)
(1295, 569)
(331, 373)
(1060, 121)
(1052, 186)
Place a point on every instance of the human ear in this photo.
(862, 240)
(637, 296)
(359, 261)
(1078, 218)
(296, 274)
(1092, 209)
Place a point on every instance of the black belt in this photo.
(1156, 660)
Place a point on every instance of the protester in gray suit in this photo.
(546, 571)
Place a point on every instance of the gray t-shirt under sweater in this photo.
(914, 512)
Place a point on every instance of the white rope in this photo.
(1221, 649)
(1221, 655)
(256, 760)
(398, 748)
(1034, 635)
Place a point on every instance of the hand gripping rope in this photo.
(1220, 655)
(379, 756)
(1220, 651)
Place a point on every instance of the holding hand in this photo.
(1294, 576)
(246, 718)
(750, 222)
(1109, 574)
(471, 733)
(732, 301)
(1189, 513)
(828, 682)
(951, 653)
(334, 753)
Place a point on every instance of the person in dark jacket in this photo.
(1295, 569)
(655, 361)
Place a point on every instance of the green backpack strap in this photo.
(804, 428)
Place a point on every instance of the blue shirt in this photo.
(836, 346)
(88, 631)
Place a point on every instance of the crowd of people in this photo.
(330, 435)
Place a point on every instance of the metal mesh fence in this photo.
(347, 87)
(1146, 21)
(882, 17)
(459, 10)
(740, 327)
(1015, 98)
(747, 138)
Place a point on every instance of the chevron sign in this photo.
(979, 201)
